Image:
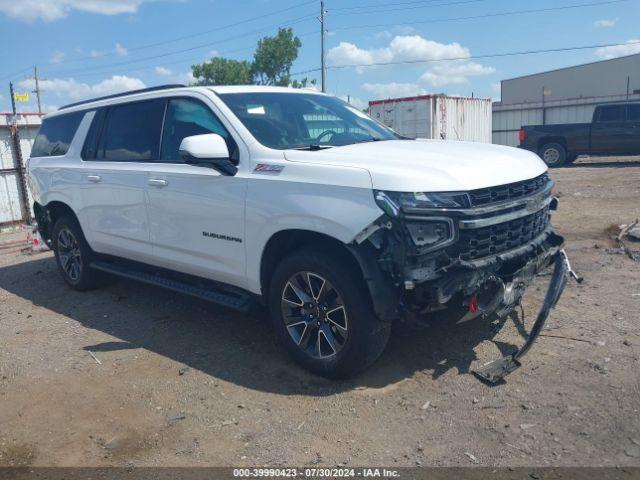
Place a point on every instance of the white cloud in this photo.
(51, 10)
(401, 48)
(454, 73)
(120, 50)
(185, 78)
(604, 23)
(393, 89)
(74, 90)
(117, 49)
(355, 102)
(57, 57)
(163, 72)
(628, 48)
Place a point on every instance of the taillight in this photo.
(522, 136)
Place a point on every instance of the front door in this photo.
(609, 130)
(122, 140)
(633, 128)
(196, 215)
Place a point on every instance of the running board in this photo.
(196, 287)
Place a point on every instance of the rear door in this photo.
(123, 139)
(633, 126)
(196, 214)
(609, 132)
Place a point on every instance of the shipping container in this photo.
(436, 117)
(15, 198)
(509, 118)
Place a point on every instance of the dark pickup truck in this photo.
(614, 131)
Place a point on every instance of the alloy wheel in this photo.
(314, 315)
(69, 254)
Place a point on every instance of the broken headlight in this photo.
(416, 201)
(431, 233)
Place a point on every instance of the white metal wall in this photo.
(11, 207)
(449, 118)
(508, 119)
(468, 119)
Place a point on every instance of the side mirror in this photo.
(208, 150)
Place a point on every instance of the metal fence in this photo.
(17, 134)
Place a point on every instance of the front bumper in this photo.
(495, 371)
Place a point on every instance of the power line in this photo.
(192, 48)
(488, 55)
(91, 72)
(375, 5)
(368, 10)
(486, 15)
(177, 39)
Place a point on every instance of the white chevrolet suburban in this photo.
(299, 201)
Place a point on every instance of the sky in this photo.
(89, 48)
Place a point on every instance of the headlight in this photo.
(428, 231)
(431, 233)
(409, 201)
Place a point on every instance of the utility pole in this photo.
(322, 60)
(13, 98)
(37, 90)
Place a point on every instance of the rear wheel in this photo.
(73, 255)
(322, 314)
(553, 154)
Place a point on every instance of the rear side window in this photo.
(612, 113)
(55, 135)
(132, 132)
(634, 112)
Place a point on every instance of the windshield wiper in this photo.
(312, 147)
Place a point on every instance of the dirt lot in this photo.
(181, 382)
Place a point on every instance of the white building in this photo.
(566, 95)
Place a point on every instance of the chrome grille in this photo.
(511, 191)
(483, 242)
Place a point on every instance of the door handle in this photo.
(94, 178)
(158, 182)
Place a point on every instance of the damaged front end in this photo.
(462, 254)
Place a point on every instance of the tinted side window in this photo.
(55, 135)
(132, 132)
(184, 118)
(634, 112)
(90, 148)
(613, 113)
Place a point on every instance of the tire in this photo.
(73, 255)
(553, 154)
(322, 314)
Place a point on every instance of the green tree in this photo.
(223, 71)
(274, 57)
(304, 83)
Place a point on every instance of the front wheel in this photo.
(322, 314)
(553, 154)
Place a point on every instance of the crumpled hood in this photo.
(430, 165)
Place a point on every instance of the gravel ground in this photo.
(179, 382)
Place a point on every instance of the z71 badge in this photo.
(268, 168)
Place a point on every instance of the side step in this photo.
(194, 286)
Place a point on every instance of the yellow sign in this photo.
(21, 97)
(547, 92)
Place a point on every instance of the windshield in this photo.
(299, 120)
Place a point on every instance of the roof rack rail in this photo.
(124, 94)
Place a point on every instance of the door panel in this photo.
(197, 222)
(121, 142)
(196, 214)
(609, 131)
(633, 127)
